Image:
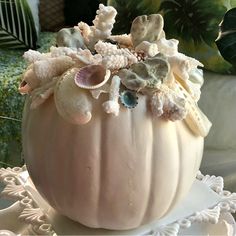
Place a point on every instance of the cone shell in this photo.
(92, 77)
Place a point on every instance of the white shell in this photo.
(72, 103)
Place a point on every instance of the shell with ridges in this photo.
(92, 77)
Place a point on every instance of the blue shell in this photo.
(129, 99)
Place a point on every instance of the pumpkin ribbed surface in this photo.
(113, 172)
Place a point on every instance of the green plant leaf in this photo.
(226, 41)
(17, 27)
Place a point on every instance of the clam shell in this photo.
(129, 99)
(92, 77)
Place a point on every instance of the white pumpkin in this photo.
(113, 172)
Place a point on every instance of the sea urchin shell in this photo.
(92, 77)
(129, 99)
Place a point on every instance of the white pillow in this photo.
(218, 102)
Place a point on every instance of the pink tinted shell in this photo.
(92, 77)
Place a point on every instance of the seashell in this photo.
(129, 99)
(147, 75)
(168, 47)
(150, 49)
(29, 81)
(92, 77)
(123, 39)
(70, 37)
(147, 28)
(72, 103)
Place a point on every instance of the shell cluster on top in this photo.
(89, 61)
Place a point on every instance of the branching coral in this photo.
(103, 24)
(114, 57)
(112, 106)
(123, 39)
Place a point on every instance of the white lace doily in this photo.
(29, 214)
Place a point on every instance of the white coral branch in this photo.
(31, 56)
(85, 31)
(61, 51)
(123, 39)
(115, 62)
(103, 24)
(182, 65)
(85, 57)
(112, 105)
(168, 104)
(114, 57)
(149, 49)
(167, 47)
(51, 67)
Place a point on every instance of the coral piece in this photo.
(92, 77)
(103, 24)
(129, 99)
(123, 39)
(146, 28)
(107, 49)
(112, 105)
(145, 76)
(43, 70)
(31, 56)
(167, 47)
(150, 49)
(85, 31)
(72, 103)
(70, 37)
(181, 65)
(51, 67)
(169, 105)
(29, 81)
(115, 62)
(85, 57)
(114, 57)
(61, 51)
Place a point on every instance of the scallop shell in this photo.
(129, 99)
(92, 77)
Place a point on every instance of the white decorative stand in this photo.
(205, 211)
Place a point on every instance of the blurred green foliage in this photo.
(12, 66)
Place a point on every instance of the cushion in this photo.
(18, 24)
(217, 101)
